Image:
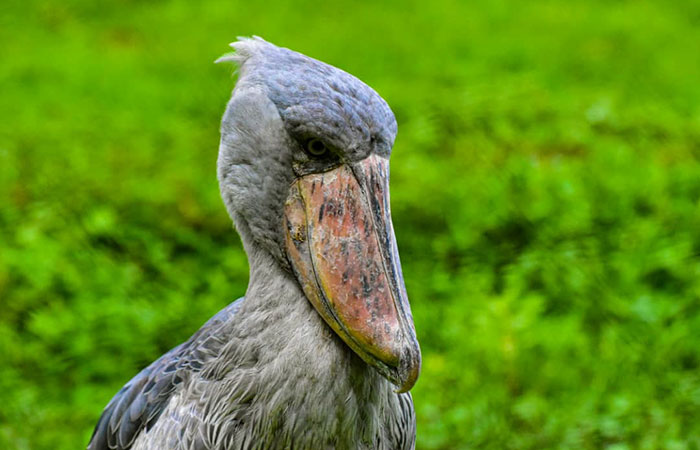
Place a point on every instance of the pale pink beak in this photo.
(341, 245)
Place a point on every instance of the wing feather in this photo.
(138, 405)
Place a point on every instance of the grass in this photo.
(545, 191)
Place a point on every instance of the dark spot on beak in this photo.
(366, 287)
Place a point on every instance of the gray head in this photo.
(303, 171)
(283, 102)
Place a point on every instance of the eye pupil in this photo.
(316, 147)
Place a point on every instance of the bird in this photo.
(322, 351)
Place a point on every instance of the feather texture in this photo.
(137, 406)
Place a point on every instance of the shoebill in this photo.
(322, 351)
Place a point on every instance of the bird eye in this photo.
(316, 147)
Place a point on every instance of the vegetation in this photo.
(545, 191)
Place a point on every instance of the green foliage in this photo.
(546, 197)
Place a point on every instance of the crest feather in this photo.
(244, 48)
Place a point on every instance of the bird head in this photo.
(303, 170)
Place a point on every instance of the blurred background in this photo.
(545, 191)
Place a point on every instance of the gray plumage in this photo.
(267, 371)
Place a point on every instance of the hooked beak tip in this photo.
(409, 368)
